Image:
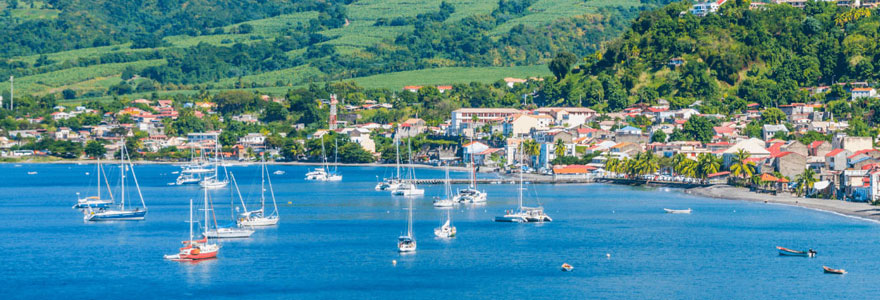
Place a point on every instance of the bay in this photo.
(338, 240)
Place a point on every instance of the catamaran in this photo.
(194, 250)
(195, 171)
(258, 217)
(392, 184)
(446, 201)
(219, 232)
(408, 187)
(322, 174)
(96, 201)
(120, 213)
(471, 194)
(447, 230)
(524, 214)
(407, 243)
(213, 181)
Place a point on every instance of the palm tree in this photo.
(688, 168)
(740, 166)
(560, 148)
(805, 181)
(532, 149)
(708, 164)
(611, 164)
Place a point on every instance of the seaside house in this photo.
(572, 171)
(836, 160)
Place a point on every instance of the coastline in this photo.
(859, 210)
(238, 163)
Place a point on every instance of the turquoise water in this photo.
(338, 240)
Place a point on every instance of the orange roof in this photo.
(573, 169)
(834, 152)
(768, 177)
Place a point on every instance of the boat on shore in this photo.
(677, 211)
(789, 252)
(828, 270)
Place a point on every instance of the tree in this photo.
(698, 128)
(531, 148)
(708, 164)
(773, 116)
(658, 137)
(68, 94)
(560, 148)
(274, 112)
(740, 166)
(561, 64)
(805, 181)
(95, 149)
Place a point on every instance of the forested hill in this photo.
(102, 48)
(768, 55)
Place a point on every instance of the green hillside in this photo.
(134, 48)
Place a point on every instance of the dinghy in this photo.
(566, 267)
(789, 252)
(833, 271)
(677, 211)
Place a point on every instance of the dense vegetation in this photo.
(128, 47)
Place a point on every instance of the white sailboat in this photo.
(408, 187)
(471, 194)
(524, 214)
(120, 213)
(259, 217)
(194, 250)
(407, 243)
(193, 172)
(446, 230)
(322, 173)
(96, 201)
(213, 181)
(229, 232)
(446, 201)
(392, 184)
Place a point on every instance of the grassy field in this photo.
(350, 40)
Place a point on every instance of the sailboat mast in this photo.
(397, 149)
(335, 155)
(323, 154)
(410, 219)
(99, 178)
(521, 171)
(190, 219)
(263, 184)
(122, 173)
(206, 210)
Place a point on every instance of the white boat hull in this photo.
(223, 233)
(258, 221)
(213, 184)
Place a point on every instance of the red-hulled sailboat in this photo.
(195, 250)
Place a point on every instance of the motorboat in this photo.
(93, 202)
(833, 271)
(408, 189)
(677, 211)
(438, 202)
(279, 172)
(566, 267)
(789, 252)
(470, 195)
(536, 214)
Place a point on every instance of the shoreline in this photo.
(238, 163)
(858, 210)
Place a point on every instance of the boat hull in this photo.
(228, 233)
(258, 222)
(125, 215)
(511, 219)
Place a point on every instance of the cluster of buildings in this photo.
(703, 8)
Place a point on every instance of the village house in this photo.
(863, 93)
(253, 140)
(568, 116)
(851, 143)
(819, 148)
(362, 137)
(463, 118)
(836, 160)
(770, 130)
(412, 127)
(522, 124)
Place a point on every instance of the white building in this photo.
(863, 93)
(463, 118)
(705, 8)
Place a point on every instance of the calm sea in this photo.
(338, 241)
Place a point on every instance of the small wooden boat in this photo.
(566, 267)
(833, 271)
(677, 211)
(789, 252)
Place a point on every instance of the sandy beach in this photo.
(853, 209)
